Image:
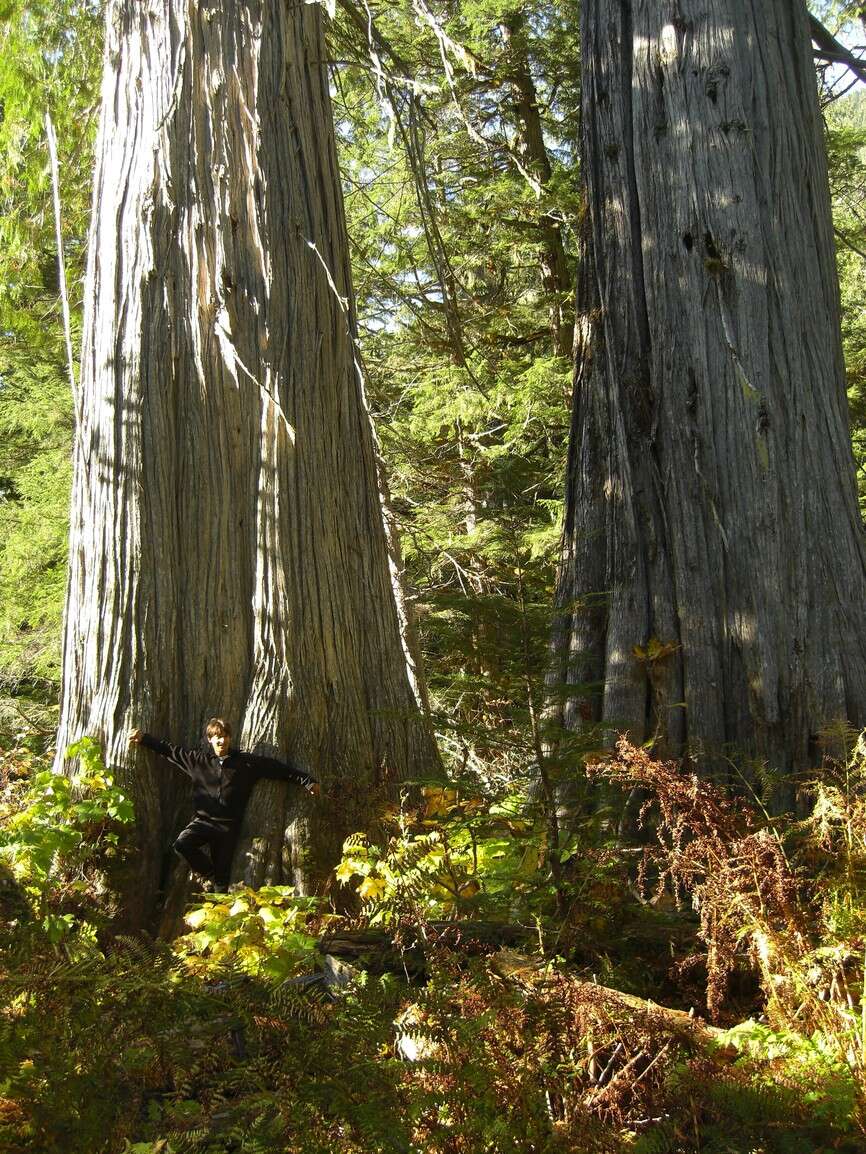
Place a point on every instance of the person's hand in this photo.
(135, 736)
(314, 788)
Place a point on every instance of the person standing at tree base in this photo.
(223, 779)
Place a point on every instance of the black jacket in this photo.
(222, 790)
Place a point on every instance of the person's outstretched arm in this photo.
(178, 755)
(284, 771)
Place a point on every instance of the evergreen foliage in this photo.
(450, 213)
(450, 217)
(211, 1043)
(49, 56)
(846, 124)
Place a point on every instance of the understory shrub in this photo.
(786, 896)
(228, 1039)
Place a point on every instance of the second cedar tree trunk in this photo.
(227, 546)
(712, 580)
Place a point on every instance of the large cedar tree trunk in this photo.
(228, 554)
(712, 579)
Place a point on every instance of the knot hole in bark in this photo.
(716, 75)
(713, 262)
(763, 422)
(692, 394)
(681, 26)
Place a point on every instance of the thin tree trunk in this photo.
(51, 138)
(228, 554)
(555, 274)
(713, 577)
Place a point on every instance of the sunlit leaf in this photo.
(371, 887)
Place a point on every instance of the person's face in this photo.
(220, 743)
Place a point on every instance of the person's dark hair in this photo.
(218, 725)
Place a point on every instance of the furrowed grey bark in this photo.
(710, 499)
(228, 553)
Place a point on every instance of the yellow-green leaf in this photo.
(371, 888)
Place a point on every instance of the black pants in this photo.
(219, 837)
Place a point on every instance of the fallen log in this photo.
(405, 950)
(381, 951)
(530, 972)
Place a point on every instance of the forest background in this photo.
(464, 219)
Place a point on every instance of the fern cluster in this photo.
(226, 1041)
(786, 896)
